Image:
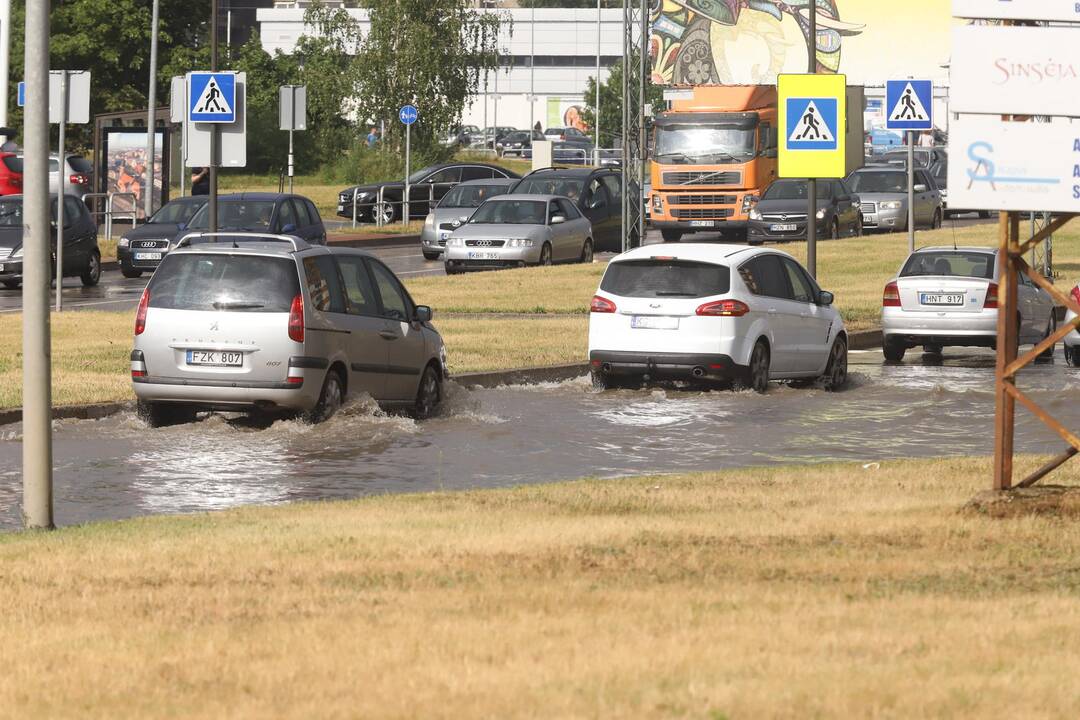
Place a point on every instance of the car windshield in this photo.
(922, 159)
(237, 215)
(80, 164)
(175, 213)
(14, 164)
(567, 187)
(869, 181)
(10, 213)
(950, 263)
(516, 137)
(703, 143)
(419, 174)
(657, 277)
(511, 212)
(219, 282)
(786, 191)
(470, 196)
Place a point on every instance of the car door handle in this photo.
(388, 335)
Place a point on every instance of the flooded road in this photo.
(116, 467)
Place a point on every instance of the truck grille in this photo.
(485, 243)
(702, 178)
(702, 213)
(703, 199)
(869, 207)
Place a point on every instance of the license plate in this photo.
(474, 255)
(868, 218)
(783, 228)
(654, 322)
(702, 223)
(215, 358)
(941, 299)
(147, 256)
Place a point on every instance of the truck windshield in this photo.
(703, 143)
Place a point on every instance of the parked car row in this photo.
(78, 174)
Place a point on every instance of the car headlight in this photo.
(122, 242)
(755, 214)
(430, 220)
(891, 205)
(17, 253)
(519, 243)
(455, 242)
(821, 214)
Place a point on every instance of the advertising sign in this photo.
(1062, 10)
(813, 113)
(124, 155)
(1021, 166)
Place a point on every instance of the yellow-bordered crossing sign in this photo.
(813, 125)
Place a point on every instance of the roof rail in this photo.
(243, 236)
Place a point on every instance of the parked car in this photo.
(78, 174)
(518, 230)
(597, 192)
(946, 296)
(780, 213)
(454, 210)
(82, 258)
(883, 192)
(269, 324)
(713, 313)
(263, 212)
(518, 143)
(141, 248)
(11, 174)
(426, 188)
(490, 137)
(1072, 340)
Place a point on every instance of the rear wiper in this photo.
(218, 305)
(663, 293)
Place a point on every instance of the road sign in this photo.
(292, 107)
(910, 105)
(1063, 10)
(178, 99)
(21, 101)
(408, 114)
(813, 125)
(78, 95)
(1015, 70)
(212, 97)
(232, 137)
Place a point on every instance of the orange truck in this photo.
(713, 155)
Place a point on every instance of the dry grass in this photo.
(540, 290)
(503, 343)
(827, 591)
(413, 228)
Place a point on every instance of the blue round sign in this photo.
(408, 114)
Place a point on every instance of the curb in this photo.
(95, 411)
(864, 340)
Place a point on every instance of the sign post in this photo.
(215, 125)
(407, 115)
(292, 106)
(69, 101)
(910, 104)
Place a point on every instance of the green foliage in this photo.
(611, 106)
(569, 3)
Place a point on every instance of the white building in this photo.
(548, 54)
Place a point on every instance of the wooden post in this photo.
(1004, 403)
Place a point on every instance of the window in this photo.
(764, 276)
(553, 210)
(568, 210)
(324, 287)
(768, 138)
(313, 213)
(394, 304)
(286, 216)
(178, 211)
(446, 175)
(597, 195)
(843, 189)
(11, 213)
(359, 293)
(80, 164)
(613, 183)
(655, 278)
(73, 210)
(14, 164)
(800, 287)
(510, 211)
(475, 173)
(300, 209)
(950, 263)
(500, 173)
(922, 179)
(234, 283)
(541, 185)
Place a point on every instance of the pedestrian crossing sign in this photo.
(813, 126)
(212, 97)
(910, 104)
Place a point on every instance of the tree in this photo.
(611, 106)
(569, 3)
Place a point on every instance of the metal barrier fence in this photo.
(108, 212)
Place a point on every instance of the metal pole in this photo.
(811, 183)
(151, 120)
(60, 194)
(596, 154)
(626, 219)
(643, 145)
(532, 68)
(494, 131)
(37, 364)
(405, 205)
(228, 33)
(495, 107)
(291, 148)
(212, 210)
(911, 191)
(5, 62)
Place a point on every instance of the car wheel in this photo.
(451, 269)
(834, 232)
(157, 414)
(429, 394)
(586, 252)
(836, 371)
(92, 274)
(545, 255)
(130, 272)
(431, 255)
(330, 399)
(671, 235)
(1072, 356)
(1047, 355)
(12, 284)
(859, 227)
(756, 376)
(985, 214)
(383, 212)
(894, 352)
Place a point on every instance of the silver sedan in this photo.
(519, 230)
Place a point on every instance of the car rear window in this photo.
(950, 263)
(14, 164)
(216, 282)
(655, 278)
(80, 164)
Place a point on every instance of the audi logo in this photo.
(147, 244)
(483, 243)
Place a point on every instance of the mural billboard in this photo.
(750, 42)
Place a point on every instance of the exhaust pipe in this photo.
(698, 372)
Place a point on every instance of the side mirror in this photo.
(422, 313)
(290, 228)
(825, 298)
(920, 188)
(557, 219)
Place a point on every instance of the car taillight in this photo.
(991, 296)
(1076, 294)
(724, 308)
(601, 305)
(891, 296)
(296, 319)
(140, 316)
(78, 179)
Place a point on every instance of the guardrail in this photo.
(108, 212)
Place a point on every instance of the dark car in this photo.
(569, 145)
(82, 258)
(277, 213)
(596, 191)
(780, 214)
(142, 248)
(426, 188)
(518, 143)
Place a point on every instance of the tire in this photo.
(451, 269)
(157, 414)
(671, 235)
(12, 284)
(836, 371)
(586, 252)
(386, 210)
(429, 394)
(1072, 356)
(756, 376)
(935, 224)
(330, 399)
(130, 272)
(985, 214)
(545, 256)
(894, 352)
(431, 256)
(1047, 356)
(92, 274)
(834, 230)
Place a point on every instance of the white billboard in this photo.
(1062, 10)
(1021, 166)
(1016, 70)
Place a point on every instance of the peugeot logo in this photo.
(213, 326)
(483, 243)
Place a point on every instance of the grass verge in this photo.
(91, 351)
(821, 591)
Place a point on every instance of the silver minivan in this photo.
(267, 324)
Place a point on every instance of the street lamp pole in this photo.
(811, 183)
(596, 154)
(151, 119)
